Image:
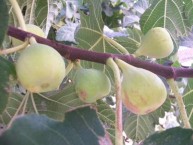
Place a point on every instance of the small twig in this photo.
(183, 113)
(118, 119)
(14, 49)
(18, 13)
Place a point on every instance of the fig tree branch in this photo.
(73, 53)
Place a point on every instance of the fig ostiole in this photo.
(142, 91)
(40, 68)
(91, 85)
(32, 29)
(157, 43)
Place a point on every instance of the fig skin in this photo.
(142, 91)
(32, 29)
(40, 68)
(91, 85)
(156, 43)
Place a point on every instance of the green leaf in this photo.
(173, 136)
(167, 14)
(189, 11)
(138, 127)
(4, 17)
(80, 127)
(56, 105)
(41, 12)
(90, 35)
(107, 116)
(132, 42)
(188, 100)
(7, 75)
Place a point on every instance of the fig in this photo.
(91, 85)
(40, 68)
(142, 91)
(156, 43)
(32, 29)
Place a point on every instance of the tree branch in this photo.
(73, 53)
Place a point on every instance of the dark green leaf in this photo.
(7, 75)
(174, 136)
(80, 127)
(4, 17)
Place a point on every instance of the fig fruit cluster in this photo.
(156, 43)
(40, 68)
(142, 91)
(91, 85)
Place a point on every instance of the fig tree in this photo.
(40, 68)
(32, 29)
(156, 43)
(91, 85)
(142, 91)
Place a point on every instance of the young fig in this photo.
(142, 91)
(156, 43)
(91, 85)
(40, 68)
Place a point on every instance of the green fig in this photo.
(156, 43)
(142, 91)
(32, 29)
(91, 85)
(40, 68)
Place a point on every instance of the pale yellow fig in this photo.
(40, 68)
(32, 29)
(142, 91)
(157, 43)
(91, 85)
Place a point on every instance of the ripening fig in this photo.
(40, 68)
(32, 29)
(156, 43)
(142, 91)
(91, 85)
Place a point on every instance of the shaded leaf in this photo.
(56, 105)
(4, 17)
(80, 127)
(7, 75)
(107, 116)
(188, 100)
(174, 136)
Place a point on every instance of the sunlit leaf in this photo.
(138, 127)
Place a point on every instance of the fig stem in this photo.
(174, 87)
(118, 119)
(14, 49)
(117, 45)
(33, 103)
(18, 109)
(69, 67)
(32, 40)
(18, 13)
